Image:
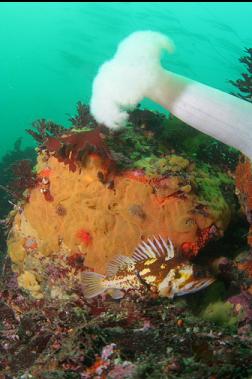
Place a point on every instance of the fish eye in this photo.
(198, 273)
(177, 274)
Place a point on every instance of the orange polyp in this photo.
(84, 236)
(95, 156)
(45, 173)
(190, 249)
(30, 244)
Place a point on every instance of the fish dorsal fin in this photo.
(155, 248)
(119, 262)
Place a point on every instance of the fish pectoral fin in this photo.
(195, 286)
(115, 293)
(92, 284)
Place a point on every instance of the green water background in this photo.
(50, 52)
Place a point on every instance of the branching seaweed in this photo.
(75, 147)
(244, 85)
(83, 118)
(8, 191)
(44, 129)
(23, 177)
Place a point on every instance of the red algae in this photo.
(138, 175)
(75, 147)
(191, 249)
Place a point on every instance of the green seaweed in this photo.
(211, 184)
(221, 313)
(168, 164)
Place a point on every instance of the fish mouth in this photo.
(195, 286)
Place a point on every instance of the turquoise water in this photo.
(50, 52)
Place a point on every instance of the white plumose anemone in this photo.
(135, 73)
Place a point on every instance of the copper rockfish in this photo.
(153, 265)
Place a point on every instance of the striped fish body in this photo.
(120, 277)
(171, 275)
(175, 277)
(123, 281)
(152, 265)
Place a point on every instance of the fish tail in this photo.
(92, 284)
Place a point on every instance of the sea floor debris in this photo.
(144, 337)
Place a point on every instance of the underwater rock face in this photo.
(244, 190)
(83, 218)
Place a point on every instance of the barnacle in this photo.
(60, 210)
(137, 210)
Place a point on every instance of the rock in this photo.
(82, 214)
